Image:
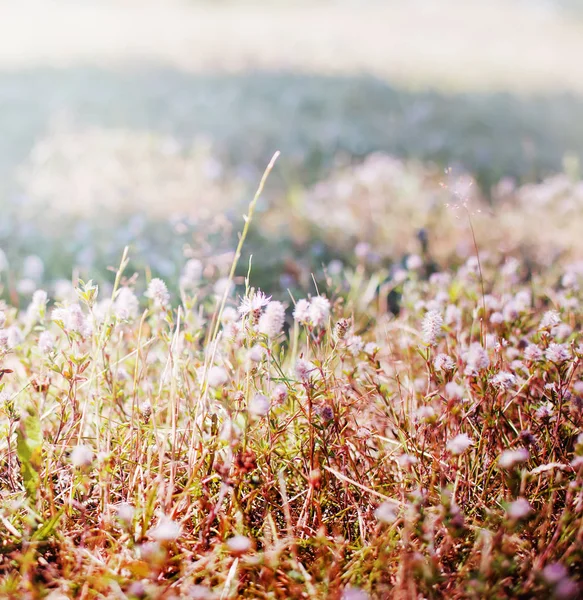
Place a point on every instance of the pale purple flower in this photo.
(46, 342)
(533, 353)
(304, 369)
(557, 353)
(279, 394)
(503, 380)
(476, 359)
(354, 344)
(554, 572)
(454, 391)
(519, 509)
(443, 362)
(256, 353)
(259, 405)
(550, 319)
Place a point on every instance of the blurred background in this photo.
(149, 123)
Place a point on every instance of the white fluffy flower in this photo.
(459, 444)
(272, 320)
(511, 458)
(81, 457)
(126, 304)
(432, 324)
(166, 530)
(302, 311)
(254, 304)
(319, 311)
(259, 405)
(239, 544)
(216, 377)
(519, 509)
(46, 342)
(387, 512)
(476, 359)
(158, 293)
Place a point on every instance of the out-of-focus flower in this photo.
(158, 293)
(459, 444)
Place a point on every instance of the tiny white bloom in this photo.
(459, 444)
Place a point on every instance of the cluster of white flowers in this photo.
(314, 312)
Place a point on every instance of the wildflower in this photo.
(362, 250)
(459, 444)
(2, 319)
(166, 530)
(432, 324)
(319, 311)
(443, 362)
(256, 353)
(272, 320)
(304, 369)
(496, 318)
(454, 391)
(25, 286)
(11, 337)
(371, 349)
(510, 458)
(46, 342)
(259, 405)
(229, 315)
(476, 359)
(550, 319)
(554, 572)
(126, 304)
(519, 509)
(354, 344)
(414, 262)
(279, 394)
(125, 513)
(503, 380)
(81, 457)
(302, 311)
(254, 304)
(425, 413)
(387, 512)
(216, 377)
(557, 353)
(36, 308)
(406, 460)
(191, 274)
(354, 593)
(158, 293)
(533, 353)
(567, 589)
(239, 544)
(33, 268)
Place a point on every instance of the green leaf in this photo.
(29, 451)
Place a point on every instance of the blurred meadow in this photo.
(121, 118)
(347, 370)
